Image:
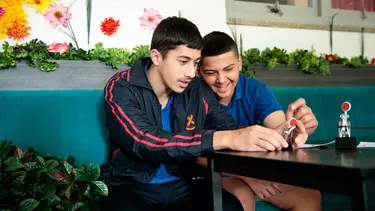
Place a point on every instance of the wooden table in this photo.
(345, 172)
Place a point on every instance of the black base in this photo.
(289, 148)
(345, 143)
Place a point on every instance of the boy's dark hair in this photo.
(217, 43)
(174, 31)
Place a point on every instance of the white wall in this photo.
(208, 15)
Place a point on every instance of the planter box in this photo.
(291, 75)
(95, 74)
(69, 75)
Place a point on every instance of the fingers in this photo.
(298, 103)
(302, 136)
(271, 190)
(294, 106)
(311, 126)
(267, 190)
(300, 139)
(303, 111)
(307, 117)
(269, 137)
(300, 126)
(266, 145)
(260, 195)
(277, 187)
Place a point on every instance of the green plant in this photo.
(35, 53)
(272, 57)
(31, 180)
(309, 62)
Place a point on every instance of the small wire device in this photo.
(288, 133)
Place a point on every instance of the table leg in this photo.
(215, 182)
(363, 199)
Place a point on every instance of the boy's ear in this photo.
(198, 73)
(240, 62)
(156, 56)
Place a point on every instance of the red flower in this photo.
(373, 61)
(60, 176)
(331, 58)
(109, 26)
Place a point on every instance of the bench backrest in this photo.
(71, 122)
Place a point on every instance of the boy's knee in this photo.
(238, 188)
(316, 196)
(311, 198)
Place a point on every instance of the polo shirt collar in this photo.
(239, 90)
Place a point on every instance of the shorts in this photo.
(179, 195)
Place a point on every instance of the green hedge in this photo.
(35, 53)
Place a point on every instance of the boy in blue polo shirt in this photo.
(250, 101)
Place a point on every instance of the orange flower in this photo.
(18, 31)
(109, 26)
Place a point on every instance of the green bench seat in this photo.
(71, 122)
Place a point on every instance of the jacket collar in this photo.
(138, 76)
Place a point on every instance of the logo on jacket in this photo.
(190, 124)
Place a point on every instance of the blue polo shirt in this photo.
(252, 102)
(162, 175)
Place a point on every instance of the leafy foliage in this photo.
(31, 180)
(308, 61)
(36, 54)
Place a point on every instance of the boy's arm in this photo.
(267, 109)
(133, 131)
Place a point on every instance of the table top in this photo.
(327, 169)
(361, 158)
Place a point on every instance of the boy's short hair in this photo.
(217, 43)
(174, 31)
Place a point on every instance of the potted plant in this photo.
(31, 180)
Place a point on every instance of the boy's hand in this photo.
(263, 189)
(299, 110)
(299, 133)
(257, 138)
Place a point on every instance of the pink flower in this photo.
(58, 47)
(58, 14)
(150, 19)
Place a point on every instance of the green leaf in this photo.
(70, 159)
(88, 173)
(40, 161)
(18, 189)
(68, 167)
(30, 166)
(19, 177)
(66, 205)
(77, 206)
(51, 164)
(47, 66)
(28, 204)
(88, 191)
(49, 189)
(51, 173)
(6, 147)
(53, 200)
(13, 164)
(101, 188)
